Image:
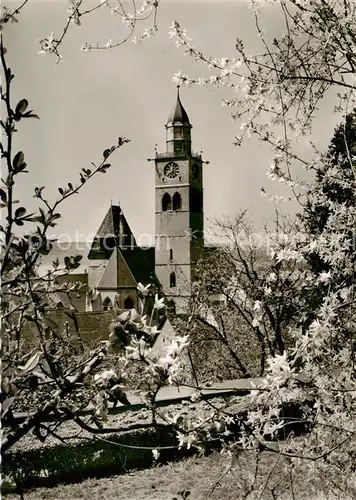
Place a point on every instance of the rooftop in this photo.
(178, 113)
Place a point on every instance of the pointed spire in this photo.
(178, 113)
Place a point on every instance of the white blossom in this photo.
(159, 303)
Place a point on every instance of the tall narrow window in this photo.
(107, 304)
(171, 254)
(166, 202)
(171, 306)
(177, 201)
(128, 304)
(172, 280)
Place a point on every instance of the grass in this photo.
(204, 477)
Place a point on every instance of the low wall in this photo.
(92, 327)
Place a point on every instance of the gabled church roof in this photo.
(114, 229)
(178, 113)
(141, 262)
(129, 267)
(113, 222)
(109, 278)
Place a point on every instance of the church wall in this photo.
(180, 247)
(107, 294)
(182, 272)
(124, 293)
(173, 223)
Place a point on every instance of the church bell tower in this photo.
(179, 210)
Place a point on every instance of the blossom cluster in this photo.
(275, 96)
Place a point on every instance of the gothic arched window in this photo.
(177, 201)
(128, 304)
(171, 254)
(172, 280)
(166, 202)
(107, 304)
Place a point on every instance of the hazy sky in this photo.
(90, 99)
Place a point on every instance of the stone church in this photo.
(115, 264)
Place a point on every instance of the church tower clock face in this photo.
(171, 170)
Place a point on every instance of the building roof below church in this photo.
(75, 299)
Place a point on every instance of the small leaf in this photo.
(30, 114)
(20, 212)
(18, 159)
(3, 195)
(38, 191)
(6, 405)
(13, 389)
(44, 250)
(106, 153)
(31, 364)
(67, 261)
(21, 107)
(61, 191)
(40, 375)
(70, 185)
(20, 168)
